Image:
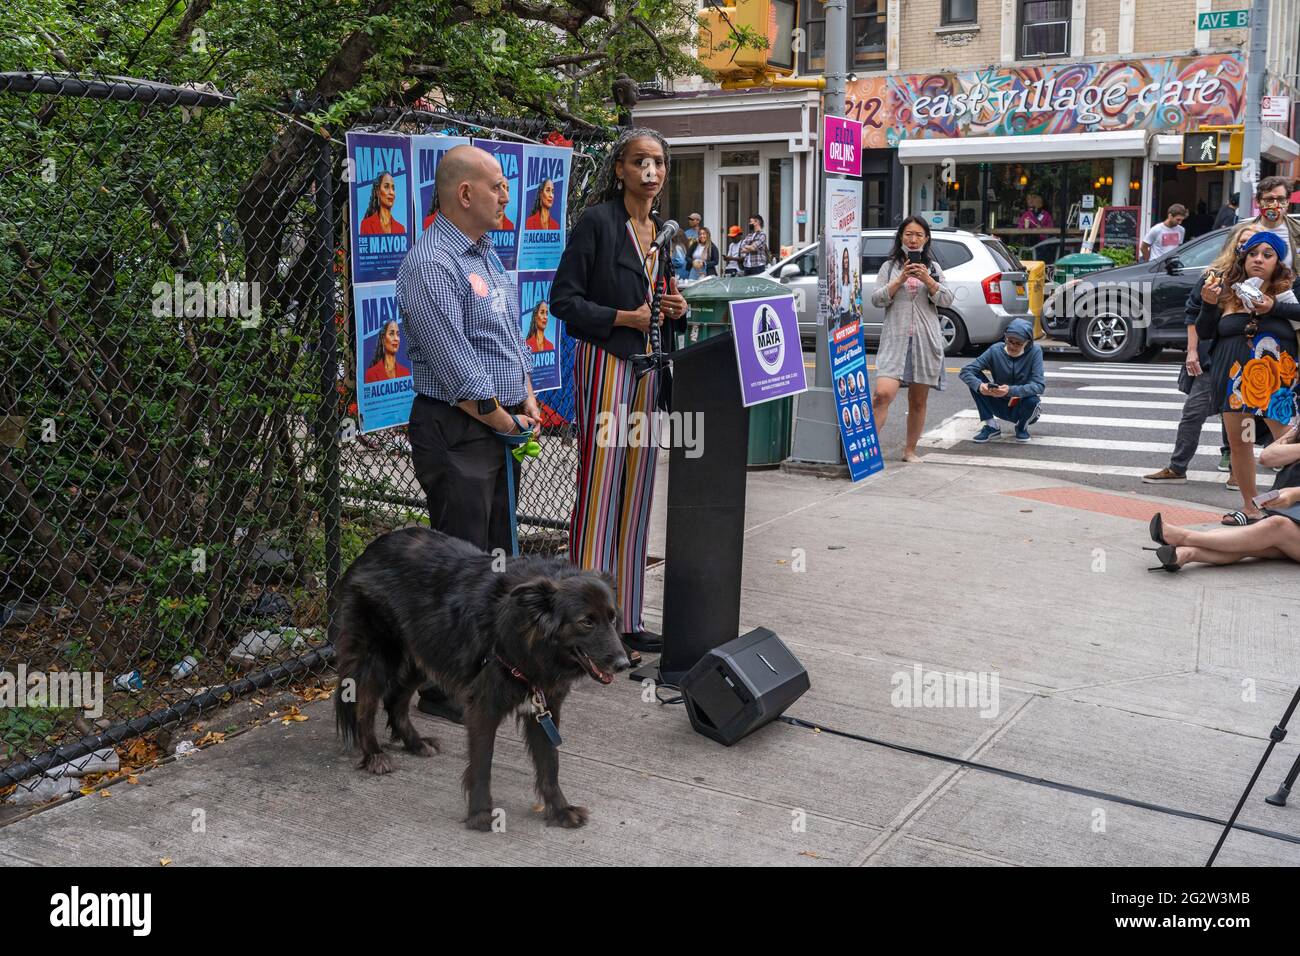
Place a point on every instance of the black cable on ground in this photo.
(1040, 781)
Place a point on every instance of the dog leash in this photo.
(517, 447)
(541, 713)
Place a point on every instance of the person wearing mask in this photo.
(602, 293)
(1007, 382)
(703, 256)
(754, 252)
(1164, 237)
(1253, 357)
(470, 366)
(911, 288)
(1274, 196)
(1228, 213)
(1202, 402)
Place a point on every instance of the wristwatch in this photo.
(487, 406)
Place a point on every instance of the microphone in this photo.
(666, 234)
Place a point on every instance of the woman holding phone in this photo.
(911, 288)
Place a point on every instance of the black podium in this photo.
(706, 511)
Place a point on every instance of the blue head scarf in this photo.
(1266, 238)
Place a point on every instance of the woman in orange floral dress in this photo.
(1253, 356)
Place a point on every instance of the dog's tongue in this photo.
(595, 671)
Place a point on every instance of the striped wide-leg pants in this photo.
(610, 527)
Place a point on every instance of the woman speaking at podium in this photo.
(602, 293)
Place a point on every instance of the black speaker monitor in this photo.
(739, 686)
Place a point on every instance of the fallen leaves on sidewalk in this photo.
(310, 694)
(290, 715)
(211, 737)
(165, 861)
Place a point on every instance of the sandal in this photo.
(1239, 519)
(1167, 555)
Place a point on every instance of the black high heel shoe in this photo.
(1157, 529)
(1167, 555)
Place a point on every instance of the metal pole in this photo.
(1255, 67)
(327, 433)
(817, 433)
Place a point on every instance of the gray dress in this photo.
(911, 345)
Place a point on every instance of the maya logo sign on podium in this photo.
(762, 329)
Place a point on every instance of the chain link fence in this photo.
(180, 487)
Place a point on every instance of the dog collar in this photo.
(541, 713)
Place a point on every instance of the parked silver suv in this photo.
(988, 284)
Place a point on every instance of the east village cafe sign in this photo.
(1165, 94)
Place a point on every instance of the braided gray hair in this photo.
(609, 187)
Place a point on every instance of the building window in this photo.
(868, 21)
(958, 11)
(1044, 28)
(868, 29)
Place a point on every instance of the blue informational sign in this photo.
(768, 355)
(542, 331)
(852, 384)
(385, 389)
(380, 170)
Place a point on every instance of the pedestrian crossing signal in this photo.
(1201, 149)
(731, 37)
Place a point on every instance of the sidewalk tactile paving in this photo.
(1121, 506)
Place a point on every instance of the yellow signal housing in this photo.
(776, 20)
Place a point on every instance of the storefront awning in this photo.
(1032, 149)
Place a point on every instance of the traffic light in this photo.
(1212, 148)
(774, 20)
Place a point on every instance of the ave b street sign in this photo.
(1223, 20)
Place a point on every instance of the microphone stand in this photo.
(655, 359)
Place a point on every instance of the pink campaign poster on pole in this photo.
(842, 146)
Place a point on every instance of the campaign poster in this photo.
(546, 184)
(426, 151)
(852, 383)
(840, 303)
(385, 389)
(768, 354)
(542, 331)
(506, 239)
(380, 169)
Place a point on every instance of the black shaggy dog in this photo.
(418, 604)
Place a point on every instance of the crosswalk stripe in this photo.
(1035, 464)
(965, 429)
(1052, 400)
(1128, 390)
(1103, 422)
(1081, 377)
(1119, 367)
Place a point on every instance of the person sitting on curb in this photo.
(1016, 365)
(1274, 536)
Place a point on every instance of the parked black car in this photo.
(1116, 315)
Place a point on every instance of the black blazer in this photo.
(600, 273)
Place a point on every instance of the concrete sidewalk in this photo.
(1109, 679)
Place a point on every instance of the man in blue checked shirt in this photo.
(468, 359)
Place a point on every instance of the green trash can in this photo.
(771, 424)
(1079, 264)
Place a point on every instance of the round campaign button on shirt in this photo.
(478, 283)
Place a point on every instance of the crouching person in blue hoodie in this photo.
(1016, 367)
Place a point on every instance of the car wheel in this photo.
(953, 330)
(1107, 337)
